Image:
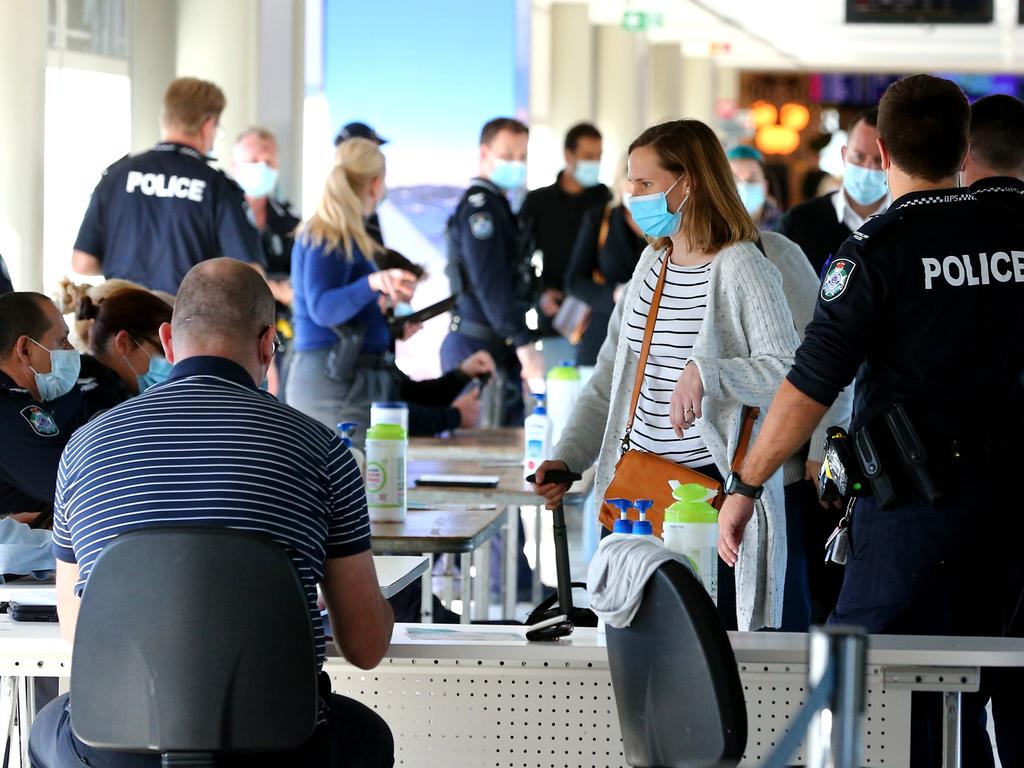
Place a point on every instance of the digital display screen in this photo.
(919, 11)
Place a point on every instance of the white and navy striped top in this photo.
(209, 448)
(680, 314)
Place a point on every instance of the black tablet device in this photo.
(421, 316)
(457, 481)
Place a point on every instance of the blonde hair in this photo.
(714, 216)
(190, 102)
(70, 296)
(338, 220)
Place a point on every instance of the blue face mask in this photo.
(256, 179)
(651, 213)
(864, 185)
(509, 174)
(752, 195)
(159, 370)
(587, 172)
(65, 365)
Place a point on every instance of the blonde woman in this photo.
(341, 336)
(723, 339)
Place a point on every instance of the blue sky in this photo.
(425, 73)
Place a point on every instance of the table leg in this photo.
(538, 535)
(482, 581)
(427, 599)
(26, 712)
(8, 707)
(511, 559)
(466, 583)
(951, 742)
(449, 581)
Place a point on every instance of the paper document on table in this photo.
(460, 636)
(44, 596)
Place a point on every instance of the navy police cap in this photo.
(358, 131)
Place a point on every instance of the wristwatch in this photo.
(733, 484)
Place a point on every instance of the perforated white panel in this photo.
(528, 714)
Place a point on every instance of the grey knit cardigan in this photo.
(743, 350)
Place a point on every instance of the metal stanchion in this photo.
(834, 735)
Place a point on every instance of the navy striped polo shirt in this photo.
(207, 447)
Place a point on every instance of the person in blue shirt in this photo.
(342, 343)
(155, 215)
(487, 268)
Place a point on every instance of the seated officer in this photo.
(40, 406)
(222, 466)
(156, 214)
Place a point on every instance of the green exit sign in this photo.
(641, 21)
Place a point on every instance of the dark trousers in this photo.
(942, 570)
(354, 736)
(456, 347)
(1008, 690)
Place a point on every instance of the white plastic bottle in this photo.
(563, 390)
(691, 530)
(345, 430)
(537, 429)
(385, 473)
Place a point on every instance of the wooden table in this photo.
(465, 531)
(512, 492)
(503, 445)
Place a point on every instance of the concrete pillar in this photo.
(621, 90)
(152, 43)
(727, 83)
(22, 89)
(666, 61)
(219, 41)
(698, 88)
(281, 81)
(572, 66)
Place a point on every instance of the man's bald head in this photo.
(223, 300)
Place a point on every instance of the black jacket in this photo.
(813, 226)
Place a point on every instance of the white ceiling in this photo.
(812, 35)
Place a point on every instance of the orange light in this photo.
(795, 116)
(762, 113)
(777, 140)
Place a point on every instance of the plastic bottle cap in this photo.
(643, 505)
(643, 528)
(385, 432)
(623, 526)
(393, 404)
(564, 371)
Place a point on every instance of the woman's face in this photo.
(374, 195)
(645, 176)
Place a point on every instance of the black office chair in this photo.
(675, 678)
(193, 642)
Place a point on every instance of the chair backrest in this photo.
(194, 640)
(677, 687)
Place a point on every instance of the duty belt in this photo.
(477, 331)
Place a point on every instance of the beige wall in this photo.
(153, 42)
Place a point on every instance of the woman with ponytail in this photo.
(341, 335)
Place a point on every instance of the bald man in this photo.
(222, 465)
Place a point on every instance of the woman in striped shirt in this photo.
(723, 339)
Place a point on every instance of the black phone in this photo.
(556, 476)
(550, 629)
(22, 612)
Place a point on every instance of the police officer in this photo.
(359, 130)
(925, 304)
(155, 215)
(487, 268)
(255, 166)
(994, 171)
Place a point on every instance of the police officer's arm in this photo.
(87, 257)
(29, 459)
(488, 254)
(237, 236)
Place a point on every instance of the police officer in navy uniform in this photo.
(359, 130)
(41, 403)
(994, 171)
(487, 267)
(156, 214)
(925, 305)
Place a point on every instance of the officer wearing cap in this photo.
(363, 131)
(486, 267)
(156, 214)
(925, 305)
(994, 171)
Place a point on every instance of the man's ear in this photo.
(21, 350)
(267, 345)
(166, 342)
(886, 159)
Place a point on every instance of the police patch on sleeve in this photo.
(41, 422)
(477, 199)
(836, 279)
(481, 225)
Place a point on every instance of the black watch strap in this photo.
(733, 484)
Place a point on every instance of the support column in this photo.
(572, 67)
(22, 89)
(281, 81)
(219, 42)
(666, 71)
(152, 52)
(621, 91)
(698, 88)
